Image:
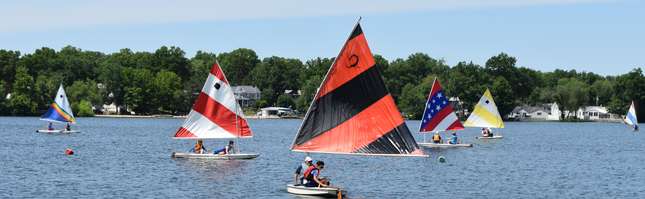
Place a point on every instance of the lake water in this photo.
(130, 158)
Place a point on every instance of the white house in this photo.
(246, 95)
(593, 113)
(546, 112)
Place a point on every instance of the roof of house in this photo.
(245, 89)
(532, 109)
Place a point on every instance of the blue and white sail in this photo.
(630, 118)
(60, 110)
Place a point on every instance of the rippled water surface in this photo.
(130, 158)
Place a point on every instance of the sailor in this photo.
(490, 133)
(486, 132)
(199, 147)
(302, 167)
(453, 139)
(436, 138)
(67, 127)
(228, 149)
(50, 127)
(312, 176)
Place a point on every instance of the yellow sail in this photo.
(485, 113)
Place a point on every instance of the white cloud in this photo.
(33, 15)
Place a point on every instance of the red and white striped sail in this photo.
(215, 113)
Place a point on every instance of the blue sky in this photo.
(601, 36)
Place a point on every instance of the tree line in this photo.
(166, 81)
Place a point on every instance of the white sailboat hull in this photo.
(494, 137)
(237, 156)
(313, 191)
(443, 145)
(56, 131)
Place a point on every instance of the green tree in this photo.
(168, 91)
(8, 63)
(503, 96)
(237, 64)
(285, 100)
(21, 102)
(172, 59)
(83, 109)
(571, 94)
(138, 93)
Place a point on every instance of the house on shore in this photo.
(543, 112)
(246, 95)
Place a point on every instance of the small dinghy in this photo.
(494, 137)
(486, 115)
(438, 116)
(59, 112)
(57, 131)
(215, 115)
(236, 156)
(443, 145)
(630, 118)
(353, 113)
(315, 191)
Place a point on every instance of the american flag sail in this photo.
(439, 114)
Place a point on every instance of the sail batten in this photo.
(485, 113)
(59, 111)
(352, 112)
(215, 113)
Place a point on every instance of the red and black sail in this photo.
(353, 112)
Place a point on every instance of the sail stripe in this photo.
(217, 72)
(221, 116)
(202, 127)
(343, 103)
(485, 113)
(184, 133)
(443, 115)
(398, 141)
(354, 59)
(357, 132)
(449, 122)
(221, 92)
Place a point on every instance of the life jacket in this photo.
(307, 175)
(436, 137)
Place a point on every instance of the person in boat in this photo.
(300, 170)
(312, 176)
(453, 139)
(68, 127)
(486, 132)
(436, 138)
(50, 127)
(228, 149)
(199, 147)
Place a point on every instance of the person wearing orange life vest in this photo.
(199, 147)
(436, 138)
(312, 176)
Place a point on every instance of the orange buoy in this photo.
(69, 151)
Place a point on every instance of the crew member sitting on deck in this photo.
(436, 138)
(50, 127)
(67, 127)
(300, 170)
(228, 149)
(486, 132)
(312, 176)
(199, 147)
(453, 139)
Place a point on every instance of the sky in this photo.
(601, 36)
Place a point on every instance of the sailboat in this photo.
(438, 116)
(485, 115)
(215, 115)
(630, 117)
(353, 113)
(59, 112)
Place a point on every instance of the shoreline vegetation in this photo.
(165, 82)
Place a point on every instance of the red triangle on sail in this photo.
(353, 111)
